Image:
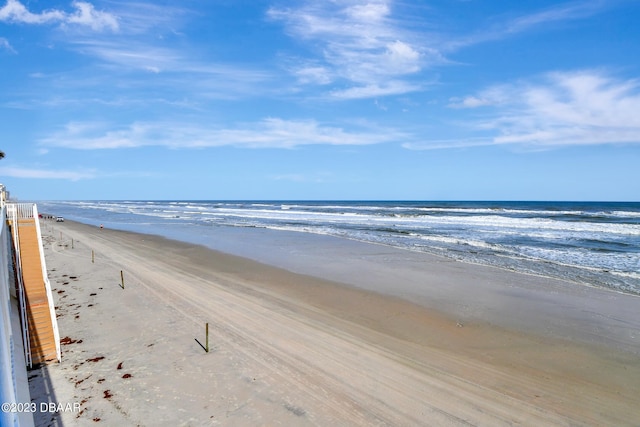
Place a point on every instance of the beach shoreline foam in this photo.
(585, 242)
(292, 348)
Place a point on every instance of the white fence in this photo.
(12, 214)
(13, 381)
(15, 212)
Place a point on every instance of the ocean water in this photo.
(594, 243)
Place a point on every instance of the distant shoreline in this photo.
(590, 243)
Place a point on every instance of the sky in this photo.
(320, 100)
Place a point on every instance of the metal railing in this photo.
(47, 285)
(12, 215)
(18, 211)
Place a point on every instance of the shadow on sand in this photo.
(42, 394)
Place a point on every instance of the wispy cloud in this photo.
(150, 43)
(85, 15)
(127, 56)
(268, 133)
(132, 56)
(358, 42)
(448, 144)
(560, 109)
(392, 87)
(507, 27)
(18, 172)
(561, 12)
(364, 50)
(148, 61)
(4, 44)
(151, 17)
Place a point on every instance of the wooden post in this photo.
(93, 257)
(71, 243)
(205, 347)
(122, 278)
(207, 337)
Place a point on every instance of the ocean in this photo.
(593, 243)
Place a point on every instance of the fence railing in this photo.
(21, 211)
(8, 371)
(13, 216)
(47, 285)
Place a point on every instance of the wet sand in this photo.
(294, 349)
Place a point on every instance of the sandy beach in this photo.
(480, 346)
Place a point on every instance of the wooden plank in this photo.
(43, 346)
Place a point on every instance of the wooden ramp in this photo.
(41, 334)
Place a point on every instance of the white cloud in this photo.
(268, 133)
(85, 15)
(359, 42)
(496, 95)
(14, 11)
(374, 90)
(17, 172)
(469, 102)
(313, 74)
(364, 44)
(561, 109)
(577, 108)
(368, 12)
(402, 57)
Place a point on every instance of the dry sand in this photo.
(289, 349)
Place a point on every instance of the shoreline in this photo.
(591, 244)
(320, 345)
(443, 284)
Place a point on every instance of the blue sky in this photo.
(341, 99)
